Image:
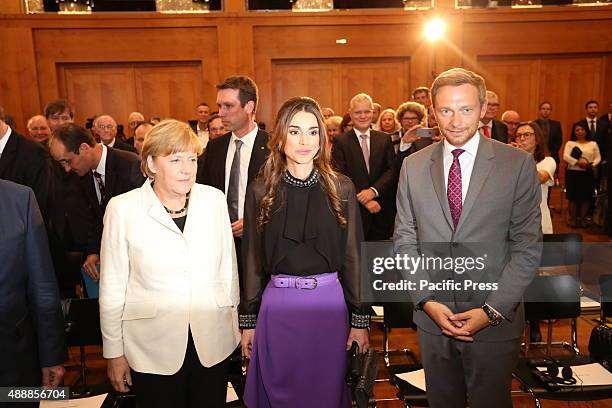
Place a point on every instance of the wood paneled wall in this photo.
(166, 64)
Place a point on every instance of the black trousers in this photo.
(192, 386)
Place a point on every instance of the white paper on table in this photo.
(588, 375)
(90, 402)
(231, 393)
(379, 310)
(415, 378)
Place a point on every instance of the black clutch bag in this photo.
(576, 153)
(361, 374)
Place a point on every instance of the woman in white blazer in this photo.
(169, 281)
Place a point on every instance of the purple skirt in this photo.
(299, 356)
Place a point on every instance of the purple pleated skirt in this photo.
(299, 357)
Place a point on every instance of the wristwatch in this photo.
(494, 317)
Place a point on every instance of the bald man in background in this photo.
(39, 130)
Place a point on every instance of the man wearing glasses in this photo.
(105, 128)
(103, 173)
(490, 127)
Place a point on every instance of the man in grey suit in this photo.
(469, 189)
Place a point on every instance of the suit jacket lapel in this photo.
(437, 178)
(155, 209)
(8, 153)
(222, 158)
(110, 177)
(480, 172)
(258, 155)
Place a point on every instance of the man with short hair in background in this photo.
(200, 127)
(140, 131)
(39, 130)
(553, 134)
(511, 119)
(105, 128)
(366, 156)
(215, 126)
(489, 126)
(58, 112)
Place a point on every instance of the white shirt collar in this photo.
(4, 139)
(358, 133)
(471, 146)
(102, 164)
(248, 139)
(112, 143)
(489, 125)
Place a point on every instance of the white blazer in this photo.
(157, 281)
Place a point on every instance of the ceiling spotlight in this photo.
(434, 29)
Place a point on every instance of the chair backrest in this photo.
(552, 297)
(399, 315)
(83, 322)
(605, 284)
(561, 249)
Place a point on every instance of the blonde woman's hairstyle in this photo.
(168, 137)
(388, 111)
(457, 77)
(333, 120)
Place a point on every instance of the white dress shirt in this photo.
(4, 139)
(466, 161)
(202, 134)
(248, 141)
(101, 169)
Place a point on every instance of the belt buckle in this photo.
(297, 285)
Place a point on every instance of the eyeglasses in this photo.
(524, 135)
(107, 127)
(410, 118)
(63, 118)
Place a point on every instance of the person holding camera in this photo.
(582, 156)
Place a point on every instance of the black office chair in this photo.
(82, 328)
(557, 297)
(558, 250)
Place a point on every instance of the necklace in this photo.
(296, 182)
(182, 210)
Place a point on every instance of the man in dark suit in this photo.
(103, 173)
(234, 159)
(490, 127)
(105, 127)
(200, 126)
(367, 158)
(597, 129)
(552, 130)
(25, 162)
(32, 345)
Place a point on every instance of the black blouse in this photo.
(301, 238)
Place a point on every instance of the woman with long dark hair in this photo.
(582, 156)
(301, 308)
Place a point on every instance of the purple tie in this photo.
(454, 187)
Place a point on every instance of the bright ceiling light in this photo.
(434, 29)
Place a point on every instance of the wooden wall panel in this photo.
(316, 80)
(125, 46)
(171, 91)
(515, 81)
(568, 82)
(334, 82)
(99, 89)
(238, 42)
(167, 90)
